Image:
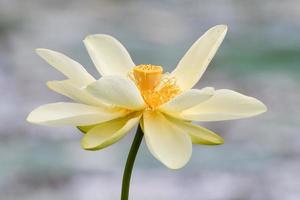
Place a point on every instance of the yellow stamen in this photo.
(154, 89)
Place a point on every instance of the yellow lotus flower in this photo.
(126, 94)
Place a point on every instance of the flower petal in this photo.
(117, 90)
(67, 88)
(108, 133)
(169, 144)
(71, 114)
(70, 68)
(199, 135)
(193, 64)
(108, 54)
(225, 105)
(188, 99)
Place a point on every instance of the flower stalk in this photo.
(130, 163)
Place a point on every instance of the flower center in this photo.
(155, 87)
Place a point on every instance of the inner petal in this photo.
(155, 87)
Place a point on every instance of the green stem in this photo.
(130, 162)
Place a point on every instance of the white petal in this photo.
(67, 88)
(108, 133)
(199, 135)
(188, 99)
(117, 90)
(169, 144)
(108, 54)
(193, 64)
(225, 105)
(70, 68)
(71, 114)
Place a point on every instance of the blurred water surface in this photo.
(259, 57)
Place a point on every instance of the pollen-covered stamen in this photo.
(155, 89)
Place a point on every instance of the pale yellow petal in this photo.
(198, 134)
(108, 133)
(109, 55)
(188, 99)
(117, 90)
(169, 144)
(225, 105)
(67, 88)
(71, 114)
(193, 64)
(70, 68)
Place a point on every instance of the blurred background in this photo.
(260, 159)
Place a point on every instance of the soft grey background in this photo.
(259, 57)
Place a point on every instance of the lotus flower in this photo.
(127, 94)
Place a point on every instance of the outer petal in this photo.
(188, 99)
(67, 88)
(108, 133)
(169, 144)
(193, 64)
(225, 105)
(70, 68)
(199, 135)
(117, 90)
(108, 54)
(71, 114)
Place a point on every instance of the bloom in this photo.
(163, 103)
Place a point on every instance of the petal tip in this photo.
(88, 37)
(32, 118)
(52, 85)
(176, 165)
(264, 108)
(97, 36)
(40, 51)
(220, 141)
(49, 84)
(84, 145)
(29, 118)
(260, 106)
(222, 27)
(44, 53)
